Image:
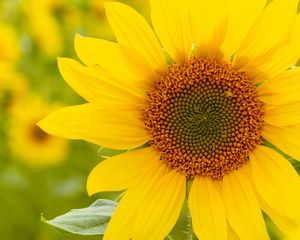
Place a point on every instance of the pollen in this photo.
(204, 118)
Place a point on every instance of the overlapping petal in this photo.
(242, 208)
(118, 227)
(152, 207)
(132, 30)
(209, 20)
(123, 61)
(112, 129)
(284, 224)
(281, 89)
(265, 37)
(242, 15)
(284, 58)
(122, 171)
(231, 234)
(160, 207)
(171, 23)
(285, 138)
(207, 210)
(100, 87)
(276, 181)
(283, 115)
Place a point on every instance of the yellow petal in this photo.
(276, 181)
(171, 24)
(160, 207)
(124, 62)
(242, 15)
(242, 209)
(122, 171)
(121, 224)
(207, 210)
(98, 86)
(286, 56)
(269, 33)
(285, 138)
(284, 224)
(112, 129)
(281, 89)
(131, 29)
(283, 115)
(231, 234)
(209, 20)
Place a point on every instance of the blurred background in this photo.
(42, 174)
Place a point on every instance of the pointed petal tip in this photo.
(42, 124)
(89, 188)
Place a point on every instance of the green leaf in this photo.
(92, 220)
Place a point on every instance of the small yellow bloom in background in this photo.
(30, 144)
(206, 117)
(43, 26)
(10, 50)
(13, 87)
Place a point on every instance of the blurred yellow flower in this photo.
(43, 25)
(206, 117)
(13, 87)
(94, 20)
(10, 48)
(28, 142)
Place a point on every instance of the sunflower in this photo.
(27, 141)
(13, 87)
(208, 116)
(9, 46)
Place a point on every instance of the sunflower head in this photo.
(27, 141)
(204, 117)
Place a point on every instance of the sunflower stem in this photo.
(189, 228)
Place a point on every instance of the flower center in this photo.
(38, 135)
(204, 118)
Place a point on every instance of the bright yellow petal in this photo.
(122, 171)
(98, 86)
(285, 138)
(284, 224)
(286, 56)
(207, 210)
(242, 15)
(121, 224)
(112, 129)
(209, 20)
(269, 33)
(131, 29)
(160, 207)
(171, 24)
(283, 115)
(231, 234)
(276, 181)
(281, 89)
(124, 62)
(242, 209)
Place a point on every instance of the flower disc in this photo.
(204, 117)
